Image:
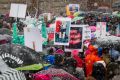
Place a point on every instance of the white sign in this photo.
(18, 10)
(74, 7)
(33, 39)
(86, 32)
(101, 29)
(98, 30)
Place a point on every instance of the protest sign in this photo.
(18, 10)
(62, 31)
(76, 39)
(33, 38)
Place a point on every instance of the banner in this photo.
(62, 31)
(33, 39)
(76, 39)
(18, 10)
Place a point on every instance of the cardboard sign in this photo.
(33, 39)
(18, 10)
(76, 39)
(86, 32)
(62, 31)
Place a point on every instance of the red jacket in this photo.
(79, 61)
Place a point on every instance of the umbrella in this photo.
(118, 15)
(77, 18)
(5, 39)
(33, 67)
(76, 14)
(17, 55)
(109, 41)
(60, 73)
(115, 12)
(9, 73)
(81, 13)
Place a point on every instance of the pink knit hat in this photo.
(60, 51)
(75, 52)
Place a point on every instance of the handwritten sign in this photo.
(18, 10)
(33, 39)
(87, 32)
(101, 29)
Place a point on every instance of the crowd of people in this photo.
(94, 63)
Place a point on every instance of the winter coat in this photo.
(78, 60)
(90, 59)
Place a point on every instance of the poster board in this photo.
(74, 7)
(87, 32)
(101, 29)
(76, 39)
(33, 39)
(18, 10)
(62, 31)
